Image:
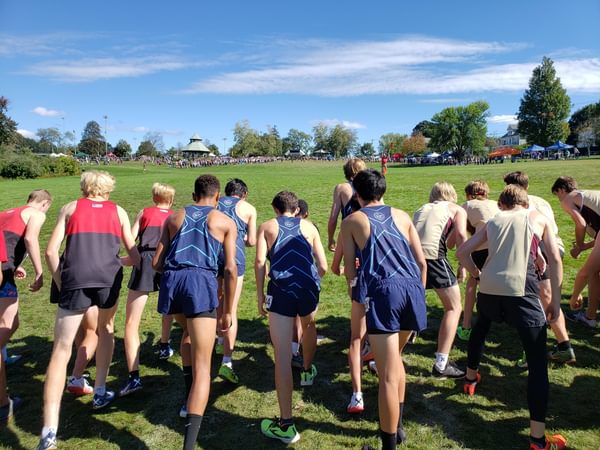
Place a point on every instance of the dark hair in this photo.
(513, 195)
(369, 185)
(302, 209)
(206, 186)
(285, 201)
(236, 187)
(568, 184)
(519, 178)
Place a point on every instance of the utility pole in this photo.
(224, 145)
(105, 138)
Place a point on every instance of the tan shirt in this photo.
(431, 222)
(478, 214)
(542, 206)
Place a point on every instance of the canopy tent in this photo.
(295, 154)
(558, 145)
(533, 148)
(505, 151)
(320, 152)
(432, 155)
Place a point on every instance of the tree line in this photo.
(542, 120)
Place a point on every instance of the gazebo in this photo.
(195, 147)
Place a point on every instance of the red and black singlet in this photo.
(91, 256)
(3, 257)
(13, 229)
(150, 225)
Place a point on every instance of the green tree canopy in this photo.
(8, 127)
(365, 150)
(583, 125)
(461, 129)
(296, 141)
(391, 143)
(342, 141)
(122, 149)
(423, 127)
(92, 142)
(544, 107)
(50, 139)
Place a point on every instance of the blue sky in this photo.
(381, 66)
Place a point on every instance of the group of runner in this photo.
(195, 258)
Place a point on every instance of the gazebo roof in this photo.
(195, 145)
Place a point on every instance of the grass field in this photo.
(436, 415)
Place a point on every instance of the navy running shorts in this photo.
(479, 257)
(144, 278)
(301, 302)
(439, 274)
(396, 304)
(518, 312)
(8, 288)
(190, 291)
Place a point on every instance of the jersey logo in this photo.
(288, 223)
(228, 202)
(196, 214)
(97, 205)
(379, 216)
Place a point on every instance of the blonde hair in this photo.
(39, 196)
(478, 189)
(162, 193)
(96, 183)
(352, 167)
(442, 190)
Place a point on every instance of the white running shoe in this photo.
(356, 404)
(79, 386)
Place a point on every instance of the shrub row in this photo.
(33, 166)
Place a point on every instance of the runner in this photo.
(234, 205)
(509, 291)
(391, 280)
(442, 224)
(297, 262)
(20, 231)
(187, 255)
(93, 226)
(146, 229)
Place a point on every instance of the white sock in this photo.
(100, 390)
(441, 360)
(357, 395)
(295, 348)
(227, 362)
(47, 430)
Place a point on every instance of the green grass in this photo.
(437, 415)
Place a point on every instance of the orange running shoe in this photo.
(553, 442)
(469, 386)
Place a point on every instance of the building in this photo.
(512, 136)
(195, 148)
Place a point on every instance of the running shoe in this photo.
(165, 352)
(79, 386)
(219, 349)
(356, 405)
(48, 442)
(450, 371)
(272, 429)
(562, 356)
(400, 436)
(463, 333)
(101, 401)
(470, 386)
(183, 411)
(297, 361)
(132, 385)
(579, 316)
(7, 411)
(308, 376)
(227, 374)
(553, 442)
(522, 361)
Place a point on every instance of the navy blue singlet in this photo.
(227, 206)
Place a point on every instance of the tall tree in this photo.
(582, 122)
(415, 143)
(122, 149)
(321, 137)
(366, 150)
(296, 141)
(92, 142)
(156, 139)
(544, 107)
(391, 143)
(342, 141)
(461, 129)
(50, 139)
(8, 127)
(423, 127)
(246, 140)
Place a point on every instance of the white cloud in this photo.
(93, 69)
(45, 112)
(140, 129)
(344, 123)
(26, 133)
(412, 65)
(502, 118)
(445, 100)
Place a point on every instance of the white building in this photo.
(512, 136)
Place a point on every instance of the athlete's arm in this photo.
(336, 266)
(555, 269)
(135, 228)
(459, 233)
(417, 250)
(591, 266)
(229, 270)
(32, 244)
(568, 205)
(333, 216)
(463, 253)
(260, 269)
(347, 231)
(319, 252)
(251, 235)
(133, 256)
(58, 234)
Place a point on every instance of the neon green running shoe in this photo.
(308, 376)
(272, 429)
(463, 333)
(219, 349)
(227, 373)
(522, 361)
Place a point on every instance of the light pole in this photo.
(224, 145)
(105, 138)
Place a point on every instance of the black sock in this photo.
(541, 441)
(192, 428)
(388, 440)
(285, 423)
(562, 346)
(188, 379)
(134, 374)
(400, 434)
(163, 345)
